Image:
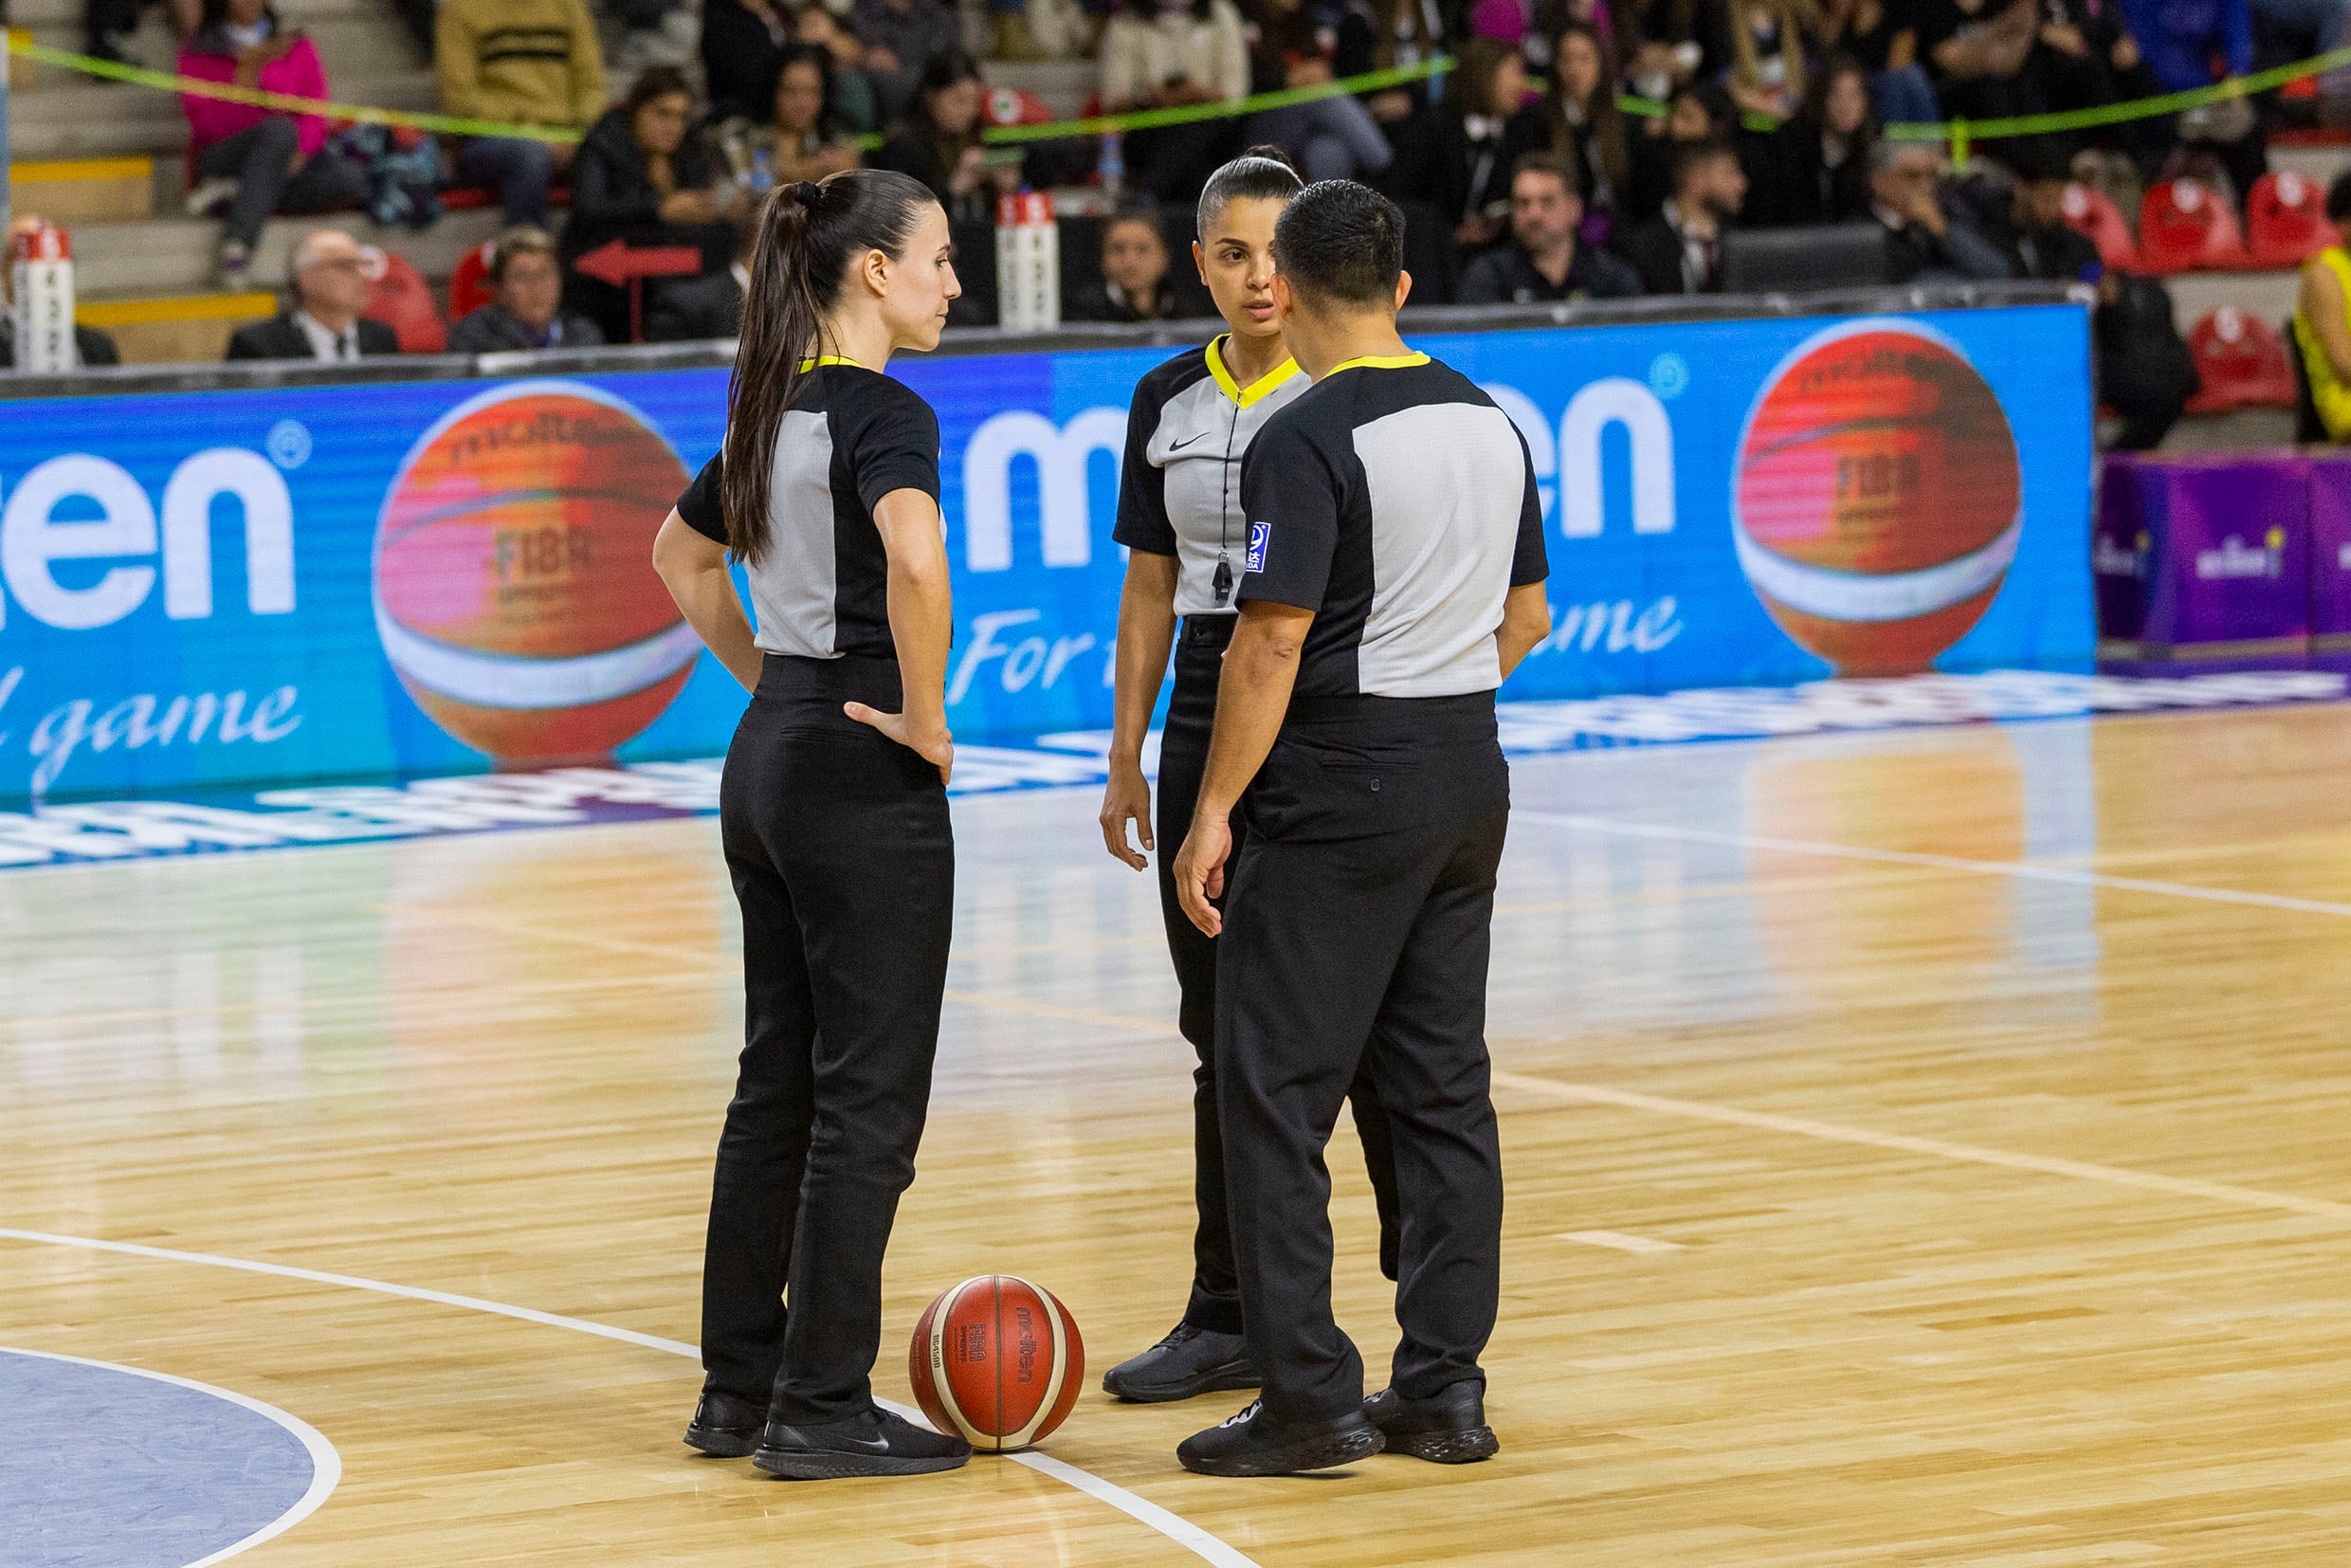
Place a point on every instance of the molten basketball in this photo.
(1875, 495)
(997, 1359)
(515, 591)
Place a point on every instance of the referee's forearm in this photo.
(922, 626)
(1146, 632)
(1261, 667)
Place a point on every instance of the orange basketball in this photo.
(1875, 498)
(999, 1360)
(515, 591)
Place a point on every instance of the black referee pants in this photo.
(1216, 1302)
(1357, 935)
(842, 856)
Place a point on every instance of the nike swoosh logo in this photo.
(1182, 444)
(882, 1443)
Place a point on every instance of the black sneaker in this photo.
(726, 1426)
(1252, 1443)
(875, 1442)
(1190, 1361)
(1447, 1428)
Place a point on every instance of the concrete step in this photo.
(174, 256)
(1064, 84)
(119, 190)
(106, 120)
(2195, 295)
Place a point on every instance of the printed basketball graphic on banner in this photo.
(515, 591)
(1875, 495)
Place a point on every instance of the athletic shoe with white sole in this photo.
(873, 1443)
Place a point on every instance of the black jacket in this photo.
(1789, 181)
(1654, 249)
(740, 62)
(1436, 162)
(612, 191)
(696, 308)
(1506, 275)
(494, 328)
(91, 346)
(280, 339)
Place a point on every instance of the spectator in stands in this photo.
(1136, 282)
(1457, 155)
(939, 143)
(2193, 43)
(1675, 252)
(2322, 321)
(519, 62)
(901, 39)
(1543, 263)
(329, 289)
(1882, 35)
(258, 161)
(1770, 41)
(1329, 138)
(1816, 168)
(1929, 243)
(1162, 54)
(802, 139)
(1976, 51)
(1579, 120)
(2084, 60)
(643, 177)
(853, 89)
(655, 32)
(2045, 246)
(91, 346)
(527, 312)
(1698, 112)
(743, 43)
(111, 23)
(1661, 45)
(1382, 35)
(696, 309)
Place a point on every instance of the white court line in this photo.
(1619, 1241)
(326, 1466)
(1174, 1527)
(2113, 1175)
(2025, 870)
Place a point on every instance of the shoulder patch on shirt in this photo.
(1259, 531)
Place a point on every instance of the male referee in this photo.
(1393, 578)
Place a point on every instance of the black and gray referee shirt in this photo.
(1396, 501)
(1179, 492)
(851, 437)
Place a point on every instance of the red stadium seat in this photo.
(2184, 225)
(2243, 362)
(470, 285)
(2091, 214)
(398, 295)
(2287, 220)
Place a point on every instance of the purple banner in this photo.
(2330, 545)
(2226, 546)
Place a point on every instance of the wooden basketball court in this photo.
(1923, 1147)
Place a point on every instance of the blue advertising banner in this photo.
(256, 587)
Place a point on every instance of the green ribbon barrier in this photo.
(1961, 134)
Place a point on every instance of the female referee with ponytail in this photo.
(1181, 518)
(832, 811)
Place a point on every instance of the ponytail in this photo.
(809, 235)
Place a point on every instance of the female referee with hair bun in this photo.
(832, 811)
(1181, 518)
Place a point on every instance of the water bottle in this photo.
(1110, 167)
(762, 172)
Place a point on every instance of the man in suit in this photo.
(329, 289)
(1675, 252)
(1925, 241)
(1543, 263)
(528, 311)
(709, 306)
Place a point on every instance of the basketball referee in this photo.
(1392, 578)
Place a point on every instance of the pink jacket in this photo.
(300, 73)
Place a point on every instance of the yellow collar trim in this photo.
(1265, 386)
(1378, 362)
(807, 365)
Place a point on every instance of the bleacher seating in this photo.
(2285, 220)
(2091, 214)
(2185, 227)
(398, 294)
(2243, 362)
(469, 282)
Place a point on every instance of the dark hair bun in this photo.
(1271, 154)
